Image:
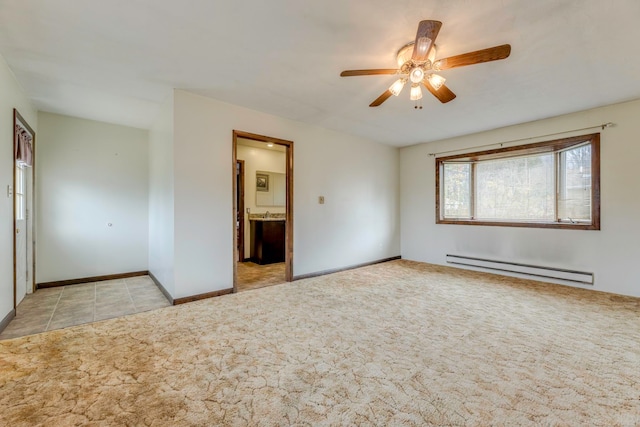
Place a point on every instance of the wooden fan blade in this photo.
(351, 73)
(485, 55)
(379, 100)
(429, 29)
(444, 94)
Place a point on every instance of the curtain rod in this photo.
(601, 126)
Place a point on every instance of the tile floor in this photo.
(64, 306)
(254, 276)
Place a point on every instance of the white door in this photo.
(21, 231)
(29, 235)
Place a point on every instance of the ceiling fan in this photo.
(417, 64)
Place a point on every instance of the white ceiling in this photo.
(116, 60)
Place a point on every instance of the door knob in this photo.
(17, 231)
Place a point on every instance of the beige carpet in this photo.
(399, 343)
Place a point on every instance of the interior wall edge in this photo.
(162, 288)
(7, 319)
(351, 267)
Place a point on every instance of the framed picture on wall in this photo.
(262, 182)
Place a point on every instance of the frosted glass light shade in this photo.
(423, 46)
(439, 64)
(416, 92)
(405, 53)
(436, 81)
(397, 86)
(417, 74)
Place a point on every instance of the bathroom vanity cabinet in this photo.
(267, 240)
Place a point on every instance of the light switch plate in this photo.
(321, 200)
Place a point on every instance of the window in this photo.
(19, 190)
(553, 184)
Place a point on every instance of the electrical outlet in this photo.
(321, 200)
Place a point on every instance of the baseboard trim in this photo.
(90, 279)
(160, 286)
(7, 319)
(337, 270)
(184, 300)
(202, 296)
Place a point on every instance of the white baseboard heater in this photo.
(534, 271)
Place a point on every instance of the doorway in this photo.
(240, 211)
(23, 202)
(262, 211)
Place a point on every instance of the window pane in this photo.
(548, 184)
(19, 190)
(574, 199)
(457, 179)
(516, 189)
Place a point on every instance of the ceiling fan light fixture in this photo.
(416, 75)
(417, 62)
(439, 64)
(397, 86)
(416, 92)
(404, 54)
(432, 54)
(436, 81)
(423, 46)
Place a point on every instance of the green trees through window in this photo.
(549, 184)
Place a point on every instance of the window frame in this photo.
(553, 146)
(20, 186)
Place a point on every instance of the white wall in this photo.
(257, 159)
(90, 174)
(12, 97)
(161, 201)
(359, 221)
(611, 253)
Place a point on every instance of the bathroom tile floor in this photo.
(253, 276)
(64, 306)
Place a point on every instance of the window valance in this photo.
(23, 149)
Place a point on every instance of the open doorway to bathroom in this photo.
(263, 211)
